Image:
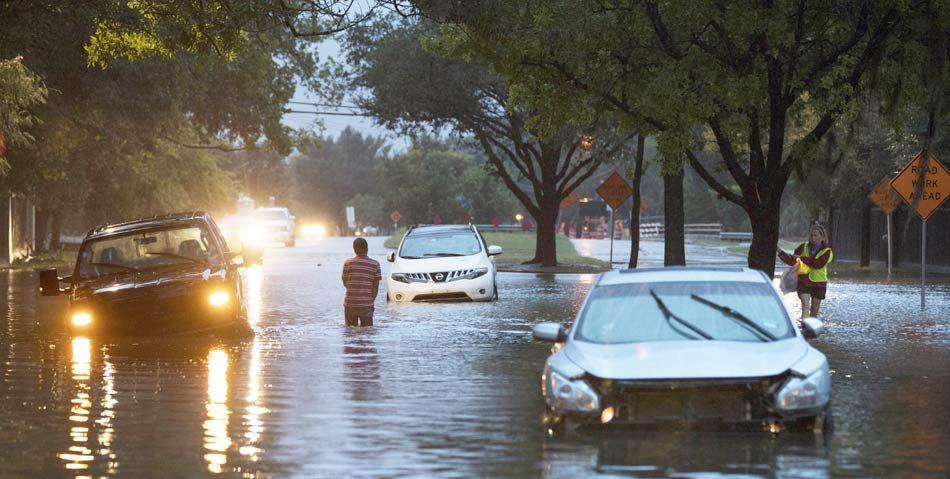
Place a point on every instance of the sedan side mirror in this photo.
(494, 250)
(549, 332)
(49, 283)
(812, 327)
(391, 256)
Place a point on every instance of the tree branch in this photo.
(712, 182)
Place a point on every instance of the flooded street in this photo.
(433, 390)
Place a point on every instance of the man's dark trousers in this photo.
(358, 316)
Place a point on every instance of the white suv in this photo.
(442, 262)
(276, 225)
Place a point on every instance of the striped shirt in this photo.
(361, 277)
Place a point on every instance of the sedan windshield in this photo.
(146, 250)
(628, 313)
(443, 243)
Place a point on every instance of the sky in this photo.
(333, 125)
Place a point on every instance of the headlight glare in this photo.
(569, 395)
(81, 319)
(811, 392)
(218, 298)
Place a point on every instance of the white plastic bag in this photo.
(789, 281)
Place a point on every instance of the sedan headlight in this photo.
(475, 273)
(810, 392)
(564, 394)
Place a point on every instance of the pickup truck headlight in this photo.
(81, 318)
(218, 298)
(564, 394)
(475, 273)
(811, 392)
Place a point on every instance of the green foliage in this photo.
(430, 180)
(20, 90)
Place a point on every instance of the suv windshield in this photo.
(441, 243)
(146, 250)
(628, 313)
(270, 215)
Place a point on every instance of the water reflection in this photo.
(252, 281)
(254, 410)
(687, 454)
(216, 440)
(78, 455)
(361, 364)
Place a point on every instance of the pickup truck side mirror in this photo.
(391, 257)
(49, 283)
(234, 259)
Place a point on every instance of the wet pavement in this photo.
(434, 390)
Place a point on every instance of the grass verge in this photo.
(519, 247)
(63, 259)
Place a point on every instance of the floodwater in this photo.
(434, 390)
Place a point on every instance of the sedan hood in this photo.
(448, 263)
(686, 359)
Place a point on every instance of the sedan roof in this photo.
(682, 273)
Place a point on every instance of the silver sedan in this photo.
(685, 346)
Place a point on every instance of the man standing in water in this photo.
(361, 277)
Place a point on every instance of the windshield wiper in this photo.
(173, 255)
(741, 318)
(444, 254)
(669, 316)
(114, 265)
(411, 257)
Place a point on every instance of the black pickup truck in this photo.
(163, 274)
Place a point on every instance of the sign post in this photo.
(924, 185)
(887, 200)
(395, 217)
(615, 191)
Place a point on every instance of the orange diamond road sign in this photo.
(923, 185)
(395, 216)
(884, 197)
(614, 190)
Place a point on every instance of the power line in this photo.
(331, 113)
(322, 105)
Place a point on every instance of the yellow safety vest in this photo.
(816, 274)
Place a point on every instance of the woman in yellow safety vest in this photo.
(811, 258)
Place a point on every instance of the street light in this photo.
(518, 217)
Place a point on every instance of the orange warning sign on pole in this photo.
(884, 197)
(614, 190)
(923, 185)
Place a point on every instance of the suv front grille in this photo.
(441, 276)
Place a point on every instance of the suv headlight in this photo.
(810, 392)
(405, 278)
(565, 394)
(475, 273)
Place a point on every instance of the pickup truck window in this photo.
(151, 249)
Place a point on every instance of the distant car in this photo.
(275, 225)
(160, 274)
(686, 346)
(443, 263)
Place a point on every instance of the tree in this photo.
(767, 81)
(410, 88)
(20, 90)
(328, 172)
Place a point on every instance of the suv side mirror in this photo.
(391, 256)
(549, 332)
(49, 283)
(812, 327)
(494, 250)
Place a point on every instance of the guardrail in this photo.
(500, 228)
(735, 236)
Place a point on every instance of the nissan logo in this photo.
(439, 276)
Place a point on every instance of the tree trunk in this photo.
(545, 249)
(865, 235)
(55, 229)
(674, 253)
(637, 201)
(765, 232)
